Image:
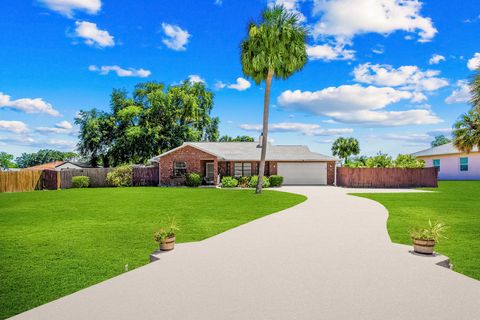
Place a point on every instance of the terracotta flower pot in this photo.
(168, 244)
(423, 246)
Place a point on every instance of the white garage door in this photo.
(303, 172)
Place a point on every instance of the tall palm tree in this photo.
(274, 48)
(345, 147)
(466, 131)
(475, 90)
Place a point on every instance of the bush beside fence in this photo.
(386, 177)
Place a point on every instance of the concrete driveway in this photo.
(327, 258)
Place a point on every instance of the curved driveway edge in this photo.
(329, 257)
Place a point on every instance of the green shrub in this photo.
(381, 160)
(121, 176)
(243, 182)
(80, 181)
(254, 179)
(408, 161)
(275, 181)
(229, 182)
(193, 179)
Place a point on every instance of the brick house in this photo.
(213, 160)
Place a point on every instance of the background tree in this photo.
(345, 147)
(273, 48)
(6, 161)
(381, 160)
(154, 119)
(440, 140)
(467, 131)
(43, 156)
(227, 138)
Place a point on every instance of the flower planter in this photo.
(423, 246)
(168, 244)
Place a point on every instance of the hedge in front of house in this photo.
(275, 181)
(80, 181)
(243, 181)
(254, 179)
(193, 179)
(229, 182)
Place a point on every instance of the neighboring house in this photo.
(59, 166)
(296, 163)
(451, 163)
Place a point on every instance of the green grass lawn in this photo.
(53, 243)
(456, 203)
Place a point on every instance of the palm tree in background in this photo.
(475, 90)
(274, 48)
(466, 131)
(345, 147)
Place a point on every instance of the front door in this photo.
(209, 174)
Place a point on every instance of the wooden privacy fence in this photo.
(145, 176)
(26, 180)
(15, 181)
(98, 177)
(386, 177)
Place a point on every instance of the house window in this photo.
(436, 164)
(243, 169)
(464, 164)
(179, 169)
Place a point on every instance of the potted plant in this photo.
(165, 237)
(424, 239)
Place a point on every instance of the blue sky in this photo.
(388, 72)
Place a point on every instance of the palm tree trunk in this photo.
(266, 104)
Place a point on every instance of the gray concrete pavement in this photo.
(327, 258)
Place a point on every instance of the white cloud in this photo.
(218, 2)
(439, 131)
(28, 105)
(291, 5)
(379, 49)
(67, 7)
(240, 85)
(474, 62)
(357, 104)
(27, 140)
(121, 72)
(308, 129)
(194, 78)
(343, 19)
(436, 59)
(405, 77)
(177, 38)
(327, 52)
(63, 127)
(13, 126)
(411, 137)
(92, 35)
(460, 94)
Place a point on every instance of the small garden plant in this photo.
(165, 237)
(80, 182)
(121, 176)
(243, 181)
(193, 179)
(229, 182)
(434, 231)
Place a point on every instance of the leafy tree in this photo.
(274, 48)
(6, 161)
(345, 147)
(408, 161)
(440, 140)
(154, 119)
(357, 162)
(381, 160)
(467, 131)
(43, 156)
(227, 138)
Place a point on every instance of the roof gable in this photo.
(447, 148)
